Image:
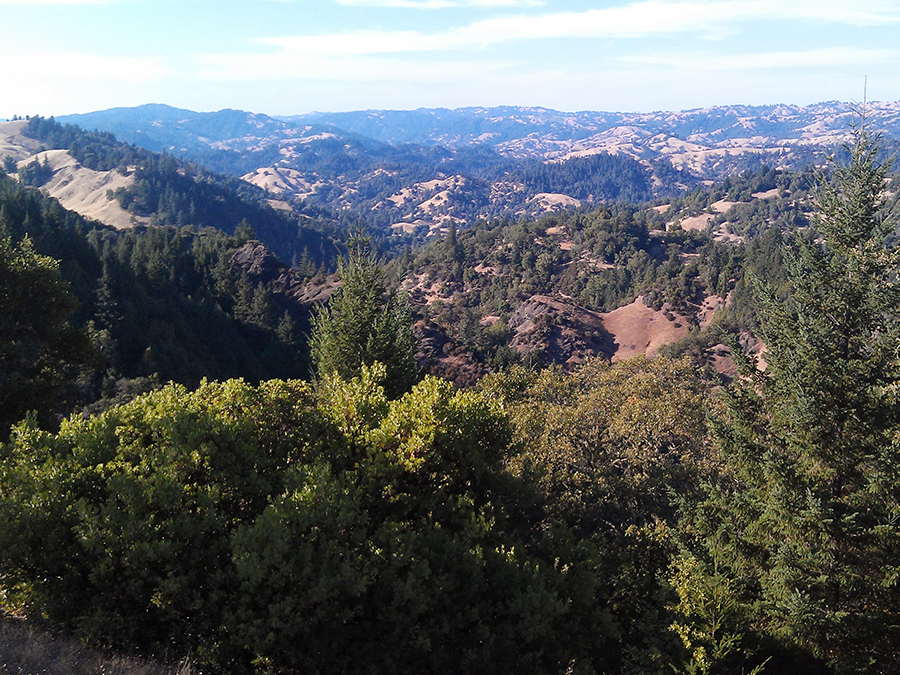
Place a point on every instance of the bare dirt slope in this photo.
(14, 144)
(84, 190)
(638, 329)
(566, 333)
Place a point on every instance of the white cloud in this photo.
(663, 16)
(60, 82)
(647, 18)
(816, 58)
(76, 66)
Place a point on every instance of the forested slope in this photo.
(160, 302)
(169, 191)
(639, 516)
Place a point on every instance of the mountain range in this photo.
(642, 249)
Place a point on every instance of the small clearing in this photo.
(638, 329)
(552, 201)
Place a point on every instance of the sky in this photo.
(284, 57)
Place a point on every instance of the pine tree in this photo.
(807, 512)
(364, 323)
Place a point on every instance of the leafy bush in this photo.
(281, 529)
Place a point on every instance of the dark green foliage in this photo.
(35, 173)
(275, 529)
(596, 177)
(170, 191)
(97, 150)
(363, 323)
(609, 445)
(173, 303)
(40, 353)
(157, 301)
(400, 564)
(600, 260)
(804, 523)
(131, 545)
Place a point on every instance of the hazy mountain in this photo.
(411, 171)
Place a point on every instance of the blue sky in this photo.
(297, 56)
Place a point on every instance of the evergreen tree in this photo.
(40, 353)
(806, 519)
(364, 323)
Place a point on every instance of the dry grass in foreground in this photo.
(25, 651)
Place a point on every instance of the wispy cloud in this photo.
(815, 58)
(468, 59)
(640, 19)
(355, 68)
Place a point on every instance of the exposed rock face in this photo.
(260, 263)
(441, 356)
(563, 332)
(263, 266)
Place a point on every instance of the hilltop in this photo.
(407, 173)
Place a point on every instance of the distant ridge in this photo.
(412, 171)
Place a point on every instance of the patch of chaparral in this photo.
(559, 233)
(279, 205)
(425, 190)
(710, 306)
(438, 201)
(726, 237)
(279, 180)
(481, 268)
(700, 222)
(406, 228)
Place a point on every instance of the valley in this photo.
(340, 394)
(409, 171)
(593, 279)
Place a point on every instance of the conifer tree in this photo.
(806, 519)
(363, 323)
(40, 353)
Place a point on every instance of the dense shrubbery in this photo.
(284, 529)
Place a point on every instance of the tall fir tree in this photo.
(364, 322)
(805, 520)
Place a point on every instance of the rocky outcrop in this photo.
(561, 332)
(440, 355)
(263, 266)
